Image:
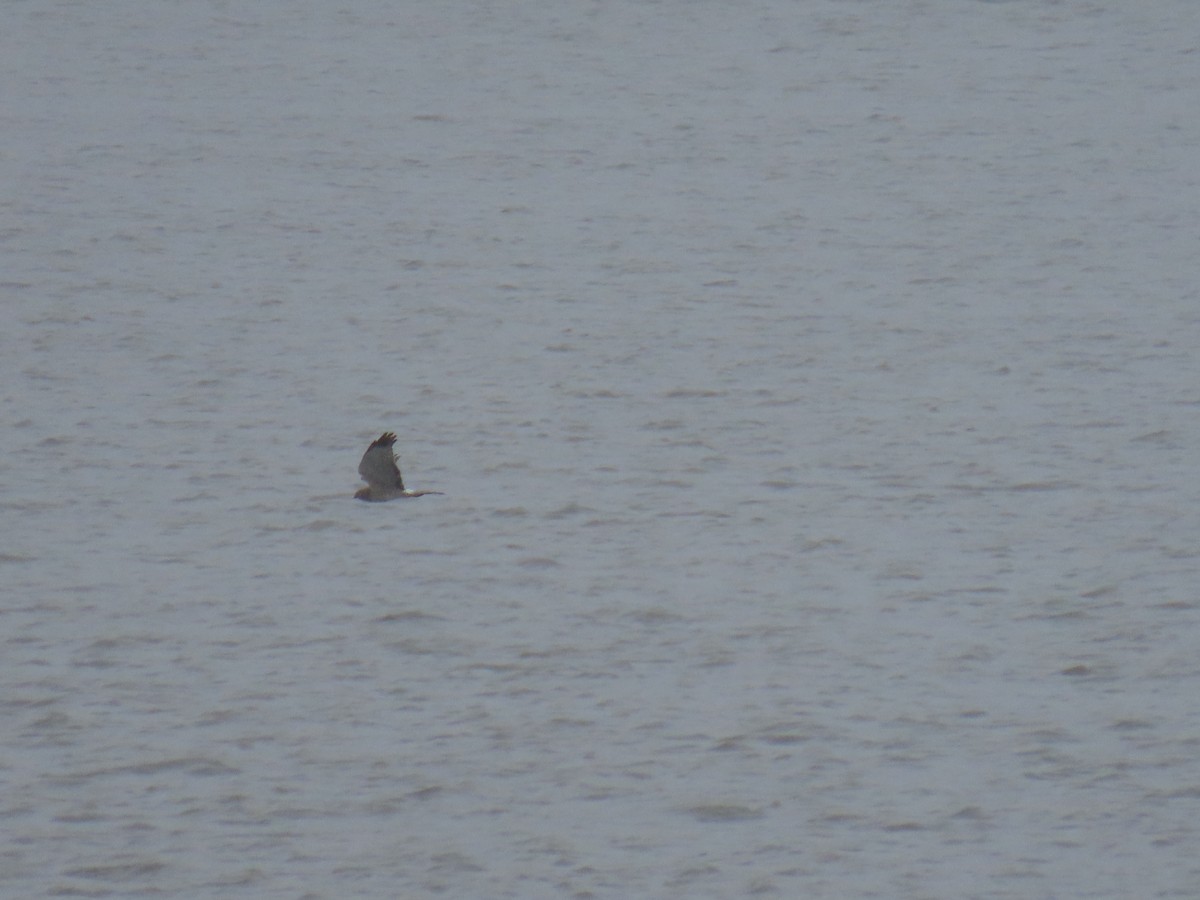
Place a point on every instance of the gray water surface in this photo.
(813, 387)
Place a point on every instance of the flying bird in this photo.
(379, 470)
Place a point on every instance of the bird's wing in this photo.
(378, 467)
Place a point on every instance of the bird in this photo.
(379, 470)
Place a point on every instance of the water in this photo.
(812, 386)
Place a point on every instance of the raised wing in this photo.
(378, 467)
